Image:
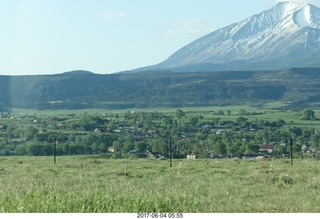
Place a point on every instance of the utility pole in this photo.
(291, 148)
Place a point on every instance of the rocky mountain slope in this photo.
(284, 36)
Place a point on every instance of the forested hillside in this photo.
(81, 89)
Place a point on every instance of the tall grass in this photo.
(92, 184)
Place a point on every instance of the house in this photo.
(99, 130)
(267, 147)
(219, 132)
(260, 157)
(111, 149)
(306, 148)
(191, 156)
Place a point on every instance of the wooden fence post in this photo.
(170, 151)
(54, 150)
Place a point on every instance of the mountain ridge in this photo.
(281, 33)
(297, 87)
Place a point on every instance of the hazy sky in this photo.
(107, 36)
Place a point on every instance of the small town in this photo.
(148, 135)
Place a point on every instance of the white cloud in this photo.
(112, 16)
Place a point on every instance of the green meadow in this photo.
(96, 184)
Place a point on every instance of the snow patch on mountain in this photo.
(285, 31)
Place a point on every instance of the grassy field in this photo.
(163, 110)
(266, 113)
(94, 184)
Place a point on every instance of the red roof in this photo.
(266, 147)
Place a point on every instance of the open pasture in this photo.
(96, 184)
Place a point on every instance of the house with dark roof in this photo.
(267, 147)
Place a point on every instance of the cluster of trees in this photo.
(29, 141)
(198, 133)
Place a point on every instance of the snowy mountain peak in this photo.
(301, 14)
(290, 6)
(285, 9)
(286, 35)
(284, 14)
(308, 16)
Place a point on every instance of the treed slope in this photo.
(300, 87)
